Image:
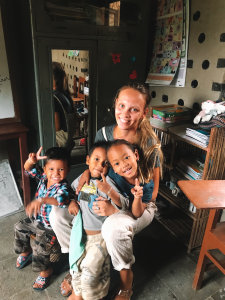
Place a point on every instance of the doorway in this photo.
(77, 64)
(74, 85)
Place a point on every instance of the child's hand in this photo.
(73, 208)
(33, 208)
(103, 185)
(137, 190)
(33, 158)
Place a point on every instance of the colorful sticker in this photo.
(165, 62)
(167, 70)
(168, 46)
(167, 54)
(159, 69)
(173, 70)
(153, 69)
(115, 57)
(169, 37)
(174, 62)
(133, 75)
(177, 45)
(177, 37)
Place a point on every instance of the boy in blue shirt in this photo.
(52, 190)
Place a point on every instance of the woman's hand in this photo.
(103, 207)
(73, 208)
(85, 178)
(33, 208)
(103, 186)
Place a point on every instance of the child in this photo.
(52, 190)
(90, 277)
(129, 172)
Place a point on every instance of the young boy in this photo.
(90, 277)
(52, 190)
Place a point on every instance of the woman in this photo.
(65, 125)
(131, 108)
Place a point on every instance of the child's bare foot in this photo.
(66, 287)
(47, 273)
(74, 297)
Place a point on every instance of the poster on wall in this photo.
(170, 44)
(179, 79)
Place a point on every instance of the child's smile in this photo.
(124, 162)
(56, 171)
(98, 162)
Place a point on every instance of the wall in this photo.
(72, 65)
(212, 24)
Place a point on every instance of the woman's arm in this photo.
(57, 122)
(156, 177)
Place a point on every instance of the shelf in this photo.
(178, 224)
(179, 133)
(177, 201)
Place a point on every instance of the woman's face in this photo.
(129, 109)
(124, 161)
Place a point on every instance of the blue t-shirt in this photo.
(126, 187)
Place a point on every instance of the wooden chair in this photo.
(208, 194)
(80, 95)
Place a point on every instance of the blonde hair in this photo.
(148, 154)
(61, 78)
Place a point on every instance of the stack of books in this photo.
(192, 167)
(164, 117)
(201, 137)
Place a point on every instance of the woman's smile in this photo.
(129, 109)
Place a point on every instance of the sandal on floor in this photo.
(43, 282)
(68, 278)
(126, 294)
(23, 260)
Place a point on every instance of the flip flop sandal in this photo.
(23, 260)
(43, 281)
(126, 294)
(68, 278)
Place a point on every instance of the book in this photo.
(199, 135)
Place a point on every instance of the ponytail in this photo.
(151, 154)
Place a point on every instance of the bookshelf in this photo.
(186, 225)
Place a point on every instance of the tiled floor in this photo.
(163, 269)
